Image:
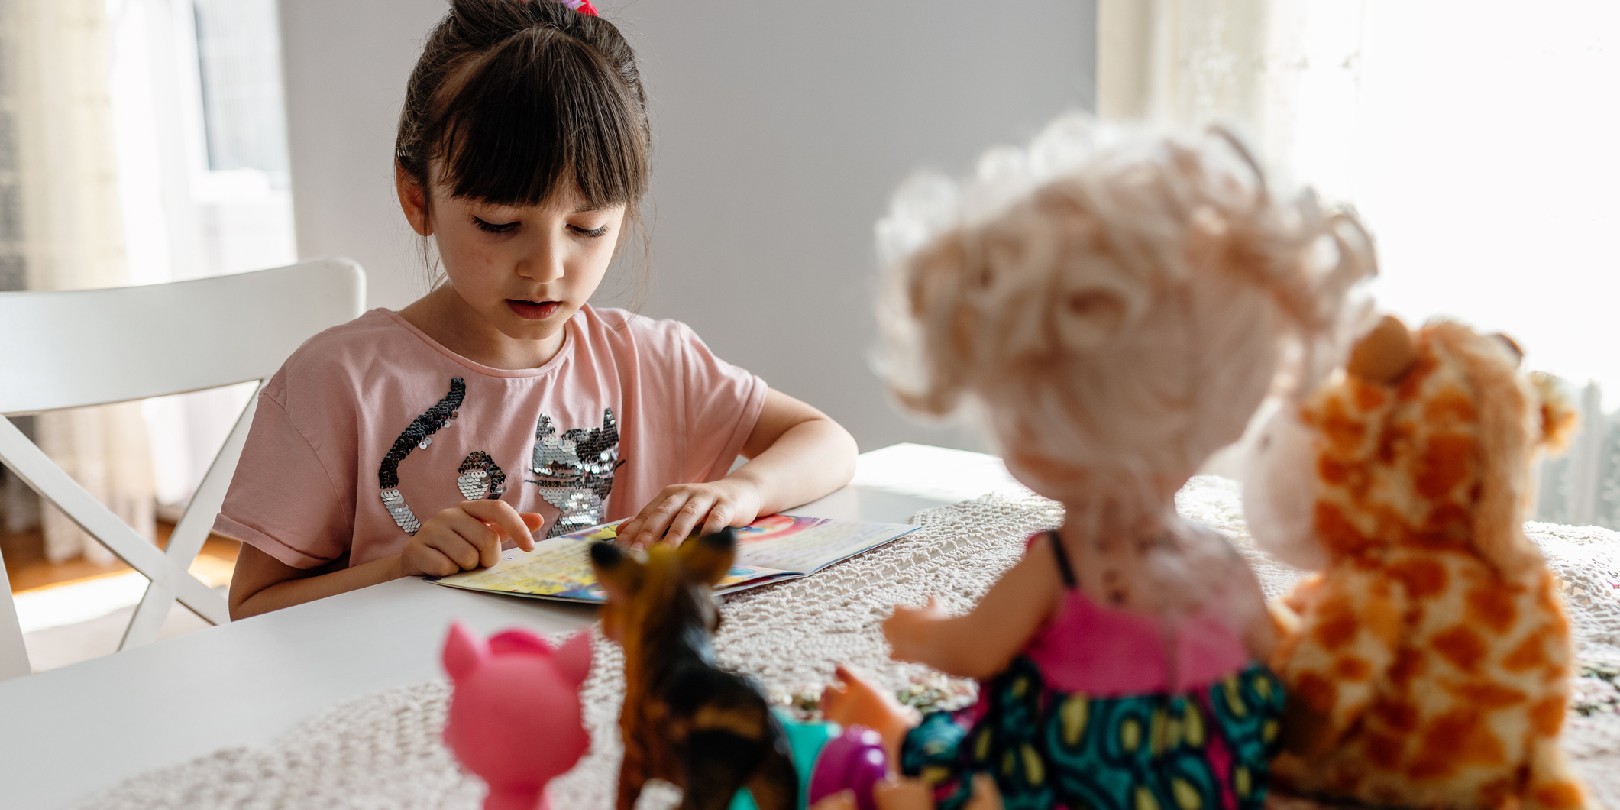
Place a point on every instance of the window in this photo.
(202, 157)
(1475, 139)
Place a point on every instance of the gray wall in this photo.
(780, 130)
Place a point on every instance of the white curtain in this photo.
(1477, 139)
(70, 234)
(1181, 62)
(204, 189)
(1286, 73)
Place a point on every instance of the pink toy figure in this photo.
(515, 719)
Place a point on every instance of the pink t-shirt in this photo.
(371, 427)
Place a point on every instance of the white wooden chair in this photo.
(93, 347)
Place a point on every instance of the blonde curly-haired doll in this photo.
(1114, 305)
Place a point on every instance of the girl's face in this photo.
(516, 273)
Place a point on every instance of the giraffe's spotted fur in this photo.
(1429, 663)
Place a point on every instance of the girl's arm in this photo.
(262, 583)
(982, 642)
(459, 538)
(796, 455)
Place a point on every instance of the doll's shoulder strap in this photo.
(1062, 554)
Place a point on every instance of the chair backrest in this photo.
(75, 348)
(92, 347)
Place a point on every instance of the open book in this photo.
(771, 549)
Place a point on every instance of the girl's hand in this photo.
(911, 630)
(681, 509)
(465, 537)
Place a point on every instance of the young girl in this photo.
(1116, 306)
(501, 403)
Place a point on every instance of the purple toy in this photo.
(854, 760)
(515, 718)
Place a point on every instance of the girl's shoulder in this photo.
(351, 362)
(615, 320)
(343, 347)
(621, 330)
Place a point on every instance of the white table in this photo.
(70, 732)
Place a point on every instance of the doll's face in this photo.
(1280, 488)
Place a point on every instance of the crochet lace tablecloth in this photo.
(385, 751)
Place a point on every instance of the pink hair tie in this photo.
(581, 6)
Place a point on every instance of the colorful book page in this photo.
(771, 549)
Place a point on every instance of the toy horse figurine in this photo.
(514, 717)
(685, 720)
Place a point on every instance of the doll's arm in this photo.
(983, 641)
(1286, 611)
(1344, 645)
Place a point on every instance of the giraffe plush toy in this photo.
(1428, 662)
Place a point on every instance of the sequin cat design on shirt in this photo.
(575, 470)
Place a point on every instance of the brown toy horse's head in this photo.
(686, 720)
(674, 586)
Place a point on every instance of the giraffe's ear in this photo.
(1558, 415)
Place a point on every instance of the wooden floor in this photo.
(28, 570)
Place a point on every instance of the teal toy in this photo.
(830, 758)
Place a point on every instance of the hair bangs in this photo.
(540, 111)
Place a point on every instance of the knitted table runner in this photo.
(384, 751)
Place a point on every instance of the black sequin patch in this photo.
(416, 435)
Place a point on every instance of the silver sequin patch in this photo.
(399, 511)
(473, 484)
(479, 477)
(574, 471)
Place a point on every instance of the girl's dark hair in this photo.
(508, 95)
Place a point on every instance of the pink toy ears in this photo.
(464, 652)
(573, 657)
(518, 642)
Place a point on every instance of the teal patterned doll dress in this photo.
(1069, 723)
